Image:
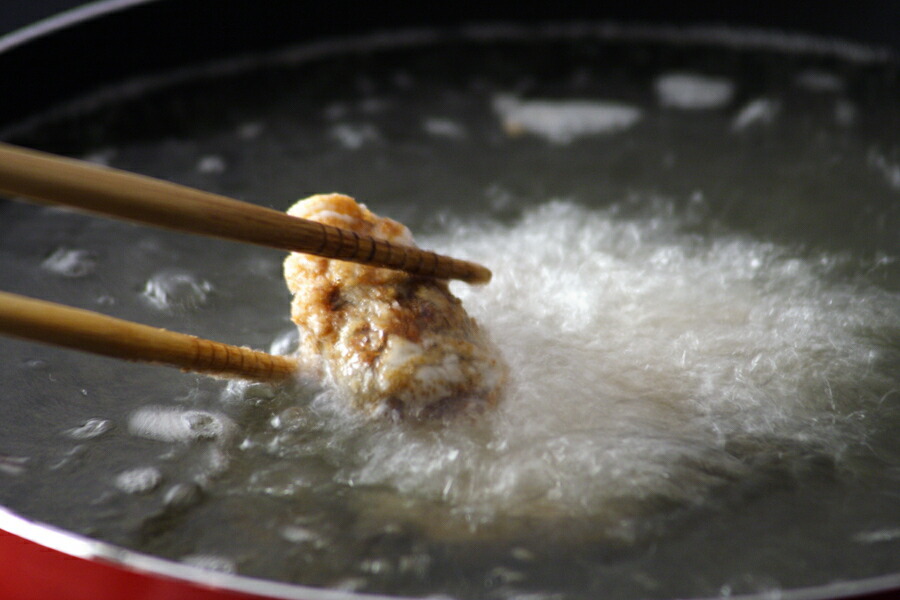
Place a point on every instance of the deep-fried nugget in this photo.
(388, 341)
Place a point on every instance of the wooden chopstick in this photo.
(78, 329)
(111, 192)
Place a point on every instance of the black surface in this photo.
(157, 35)
(16, 14)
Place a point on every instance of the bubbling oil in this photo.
(695, 286)
(648, 364)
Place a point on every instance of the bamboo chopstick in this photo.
(111, 192)
(78, 329)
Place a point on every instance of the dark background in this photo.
(157, 35)
(19, 13)
(876, 21)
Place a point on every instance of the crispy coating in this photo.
(389, 342)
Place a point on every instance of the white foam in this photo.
(563, 121)
(646, 363)
(285, 343)
(90, 429)
(692, 91)
(211, 562)
(139, 480)
(301, 535)
(175, 289)
(755, 113)
(13, 465)
(178, 425)
(71, 262)
(182, 495)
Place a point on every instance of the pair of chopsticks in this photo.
(100, 190)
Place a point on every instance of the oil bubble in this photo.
(90, 429)
(139, 480)
(71, 262)
(176, 290)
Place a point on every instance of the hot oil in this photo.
(695, 285)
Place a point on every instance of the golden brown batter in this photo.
(388, 341)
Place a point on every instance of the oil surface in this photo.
(696, 286)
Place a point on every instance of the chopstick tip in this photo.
(478, 275)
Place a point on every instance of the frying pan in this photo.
(43, 62)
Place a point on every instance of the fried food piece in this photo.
(389, 342)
